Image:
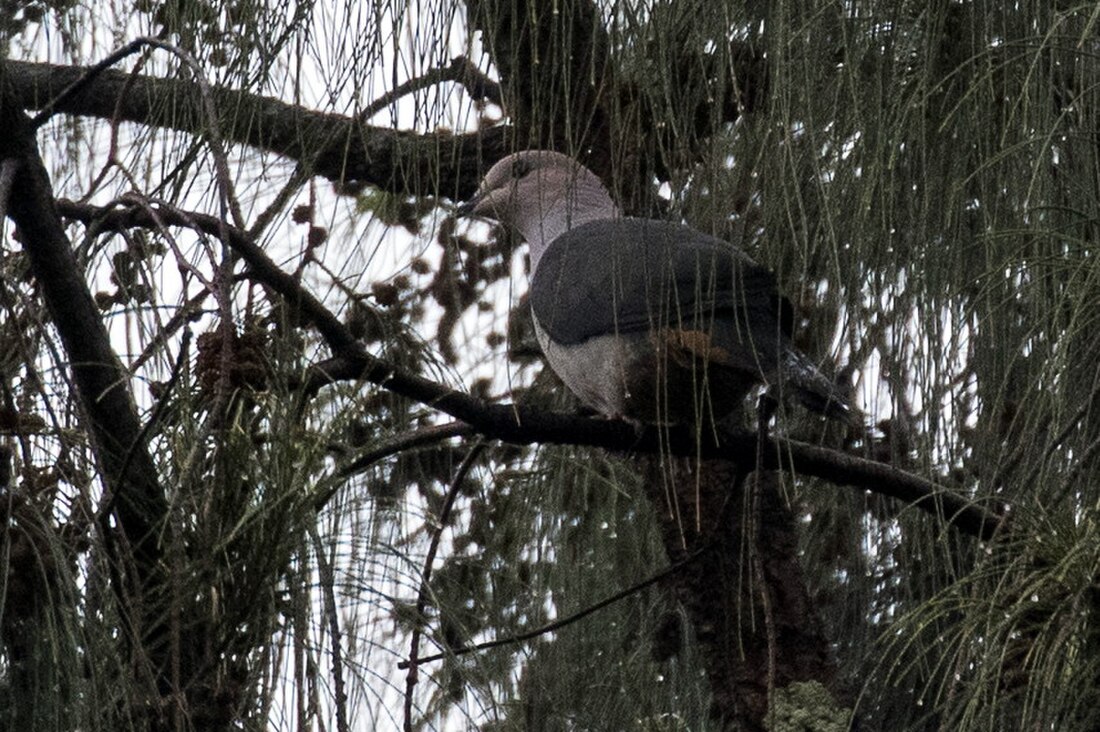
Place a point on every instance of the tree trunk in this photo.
(745, 593)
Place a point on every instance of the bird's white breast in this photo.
(596, 370)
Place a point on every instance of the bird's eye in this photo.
(520, 168)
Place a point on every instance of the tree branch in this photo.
(442, 521)
(127, 469)
(460, 69)
(87, 77)
(552, 59)
(521, 425)
(562, 622)
(338, 147)
(384, 448)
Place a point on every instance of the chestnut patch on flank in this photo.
(695, 343)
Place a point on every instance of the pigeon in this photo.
(645, 320)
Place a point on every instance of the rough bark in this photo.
(553, 62)
(564, 90)
(132, 491)
(746, 597)
(336, 147)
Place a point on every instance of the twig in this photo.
(84, 80)
(189, 312)
(112, 147)
(422, 596)
(400, 443)
(226, 194)
(328, 582)
(392, 446)
(568, 619)
(297, 179)
(159, 408)
(182, 263)
(460, 69)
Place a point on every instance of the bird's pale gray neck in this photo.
(585, 201)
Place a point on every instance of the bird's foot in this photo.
(766, 408)
(638, 426)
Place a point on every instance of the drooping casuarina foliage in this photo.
(278, 451)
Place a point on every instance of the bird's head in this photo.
(541, 194)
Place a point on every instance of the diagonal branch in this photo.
(522, 425)
(101, 380)
(560, 623)
(442, 521)
(460, 69)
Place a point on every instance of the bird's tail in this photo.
(815, 390)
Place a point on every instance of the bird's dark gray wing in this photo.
(639, 275)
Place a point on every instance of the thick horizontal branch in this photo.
(523, 425)
(333, 146)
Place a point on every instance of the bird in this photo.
(645, 320)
